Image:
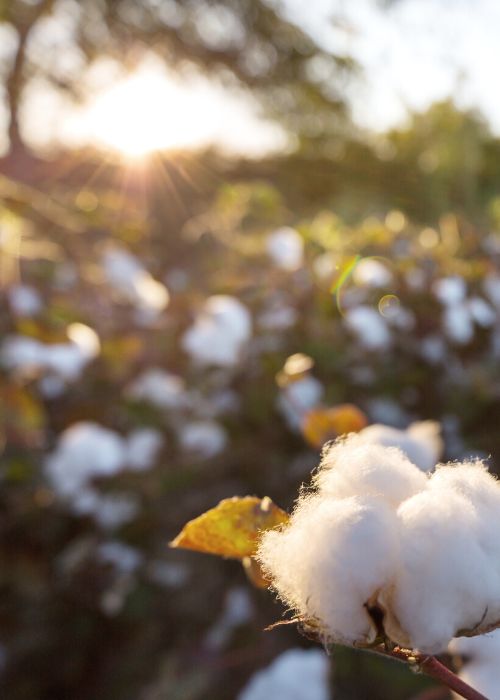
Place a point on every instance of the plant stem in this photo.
(434, 668)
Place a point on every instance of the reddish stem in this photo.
(434, 668)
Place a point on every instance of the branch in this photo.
(435, 669)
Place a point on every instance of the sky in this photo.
(412, 53)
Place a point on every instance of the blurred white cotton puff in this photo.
(370, 272)
(421, 442)
(297, 674)
(450, 290)
(286, 248)
(204, 438)
(377, 530)
(160, 388)
(30, 356)
(369, 327)
(132, 281)
(84, 451)
(298, 397)
(24, 300)
(481, 669)
(143, 445)
(219, 333)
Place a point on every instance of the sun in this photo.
(141, 114)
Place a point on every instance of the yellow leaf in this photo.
(232, 528)
(322, 424)
(296, 367)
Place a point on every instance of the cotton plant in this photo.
(219, 334)
(86, 451)
(377, 553)
(461, 313)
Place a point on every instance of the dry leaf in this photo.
(322, 424)
(232, 528)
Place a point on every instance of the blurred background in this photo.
(220, 222)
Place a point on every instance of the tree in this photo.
(249, 42)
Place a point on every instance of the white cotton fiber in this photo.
(297, 674)
(355, 467)
(421, 442)
(481, 669)
(331, 559)
(375, 529)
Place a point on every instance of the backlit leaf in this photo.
(232, 528)
(323, 424)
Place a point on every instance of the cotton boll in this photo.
(297, 674)
(286, 248)
(481, 312)
(162, 389)
(483, 676)
(484, 647)
(84, 451)
(123, 557)
(458, 324)
(331, 558)
(420, 442)
(298, 397)
(204, 438)
(450, 290)
(357, 466)
(24, 300)
(238, 610)
(491, 286)
(219, 333)
(85, 338)
(369, 327)
(132, 282)
(372, 273)
(445, 580)
(143, 445)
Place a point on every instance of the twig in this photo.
(435, 669)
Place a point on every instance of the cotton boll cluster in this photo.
(481, 669)
(285, 247)
(86, 451)
(297, 674)
(460, 314)
(219, 333)
(421, 442)
(133, 282)
(369, 327)
(30, 357)
(378, 531)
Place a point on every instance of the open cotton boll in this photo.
(482, 313)
(450, 290)
(132, 281)
(24, 300)
(481, 669)
(420, 442)
(84, 451)
(286, 248)
(371, 273)
(205, 438)
(162, 389)
(297, 674)
(219, 333)
(331, 558)
(458, 323)
(369, 327)
(355, 466)
(298, 397)
(143, 445)
(446, 580)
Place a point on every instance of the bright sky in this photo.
(413, 53)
